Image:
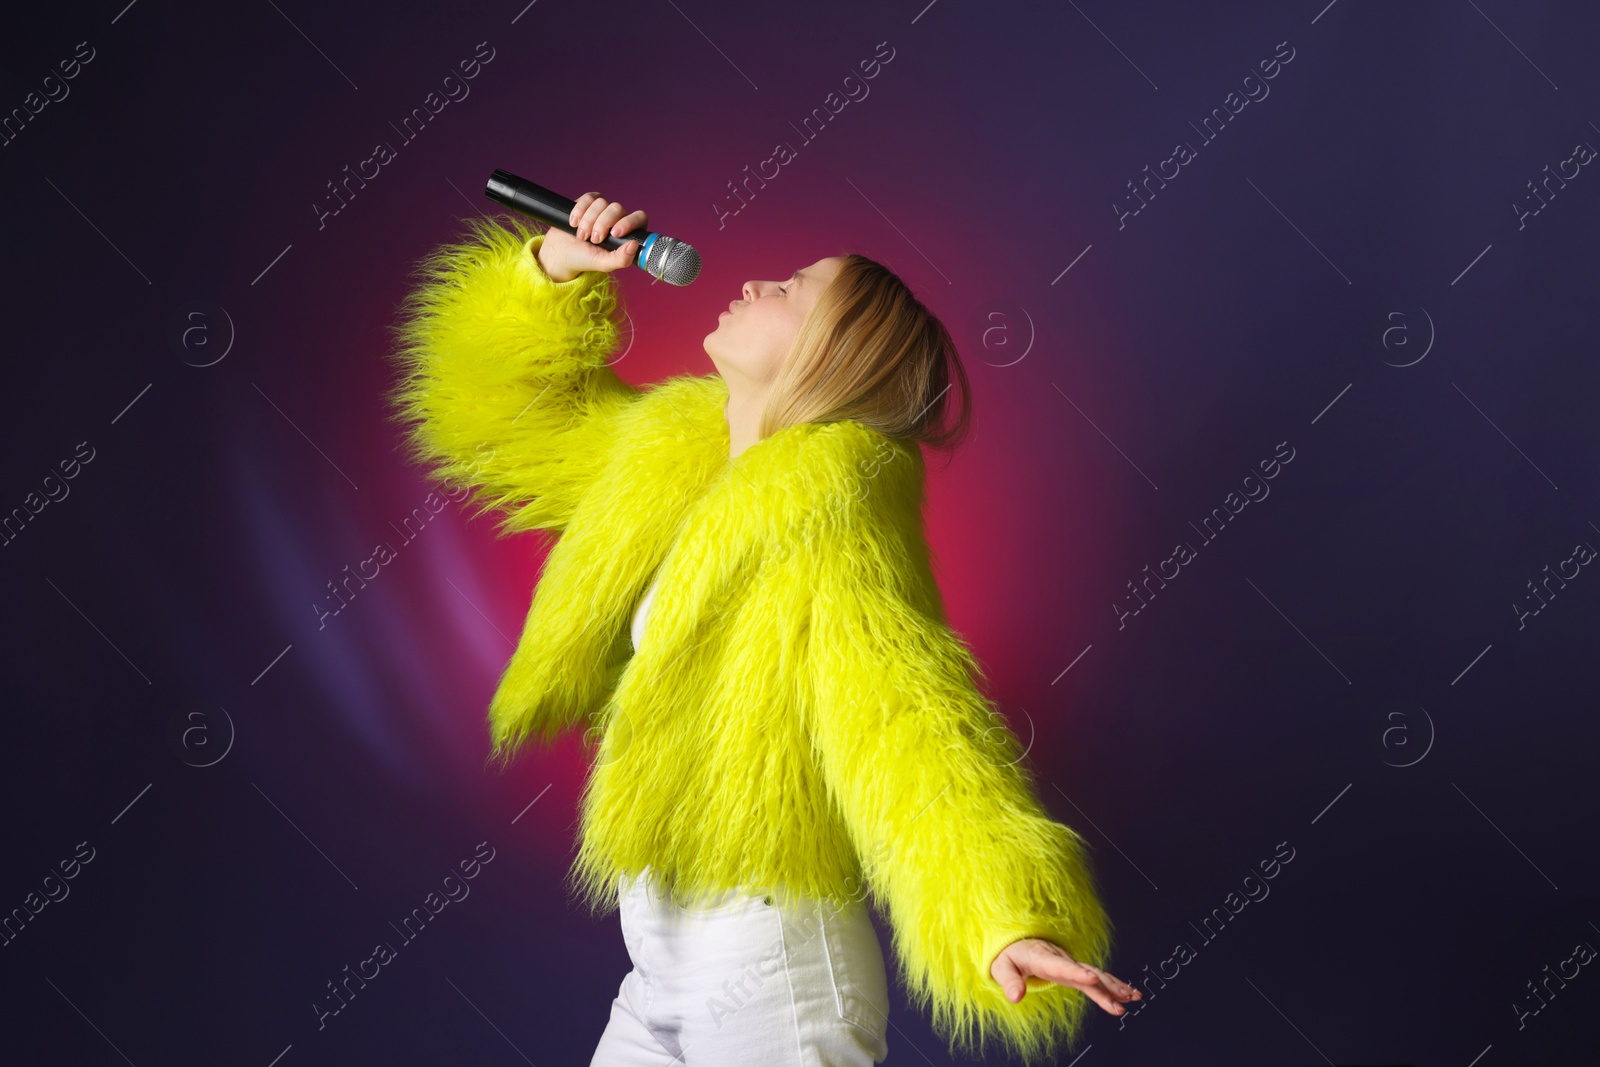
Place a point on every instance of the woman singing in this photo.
(741, 614)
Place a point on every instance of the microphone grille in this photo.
(671, 260)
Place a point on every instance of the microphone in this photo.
(663, 257)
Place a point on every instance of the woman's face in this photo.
(754, 334)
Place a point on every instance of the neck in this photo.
(743, 412)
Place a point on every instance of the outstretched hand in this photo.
(1034, 957)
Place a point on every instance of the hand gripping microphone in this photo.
(663, 257)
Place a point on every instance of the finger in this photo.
(587, 220)
(1010, 977)
(1065, 971)
(1052, 962)
(1063, 968)
(1086, 979)
(1120, 989)
(608, 219)
(1096, 991)
(628, 223)
(597, 224)
(1102, 998)
(624, 253)
(578, 208)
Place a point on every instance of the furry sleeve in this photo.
(929, 782)
(504, 384)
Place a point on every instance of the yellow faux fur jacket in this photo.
(801, 714)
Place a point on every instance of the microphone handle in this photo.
(540, 203)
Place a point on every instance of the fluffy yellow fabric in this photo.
(504, 375)
(800, 716)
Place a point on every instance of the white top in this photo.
(642, 613)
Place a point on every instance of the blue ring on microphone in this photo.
(644, 250)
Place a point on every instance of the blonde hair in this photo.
(869, 350)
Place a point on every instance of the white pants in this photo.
(746, 979)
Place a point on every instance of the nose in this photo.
(748, 291)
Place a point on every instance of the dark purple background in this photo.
(1359, 618)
